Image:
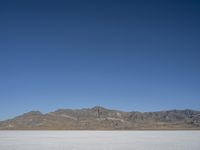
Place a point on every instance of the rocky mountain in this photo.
(99, 118)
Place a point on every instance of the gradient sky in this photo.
(129, 55)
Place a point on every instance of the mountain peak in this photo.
(99, 108)
(33, 113)
(100, 118)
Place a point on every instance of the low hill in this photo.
(99, 118)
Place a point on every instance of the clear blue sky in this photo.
(128, 55)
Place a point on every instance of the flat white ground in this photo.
(99, 140)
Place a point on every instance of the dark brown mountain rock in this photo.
(99, 118)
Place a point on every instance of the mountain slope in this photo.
(99, 118)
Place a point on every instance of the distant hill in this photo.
(99, 118)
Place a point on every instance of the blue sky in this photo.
(128, 55)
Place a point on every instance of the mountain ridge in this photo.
(100, 118)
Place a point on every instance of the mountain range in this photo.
(100, 118)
